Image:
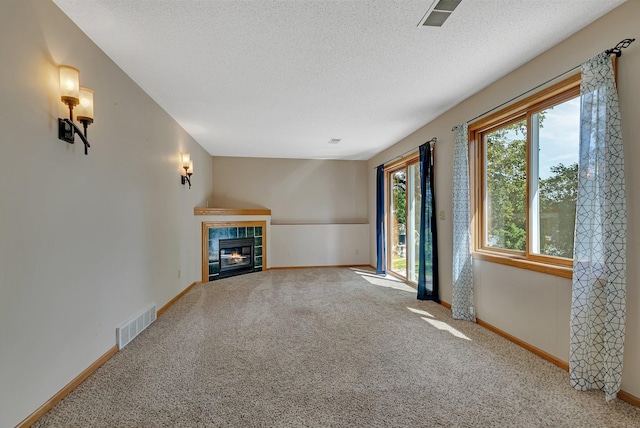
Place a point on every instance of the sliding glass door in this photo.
(404, 220)
(398, 220)
(413, 220)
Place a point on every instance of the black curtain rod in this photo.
(401, 155)
(616, 50)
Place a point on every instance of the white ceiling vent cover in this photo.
(129, 330)
(334, 141)
(440, 13)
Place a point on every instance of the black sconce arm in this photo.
(186, 179)
(66, 131)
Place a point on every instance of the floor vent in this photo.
(129, 330)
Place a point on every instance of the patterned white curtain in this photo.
(462, 306)
(599, 266)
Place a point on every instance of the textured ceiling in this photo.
(281, 78)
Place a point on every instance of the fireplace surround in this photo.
(232, 248)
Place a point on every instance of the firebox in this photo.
(236, 256)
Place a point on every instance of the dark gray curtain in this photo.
(428, 257)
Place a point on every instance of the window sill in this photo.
(563, 271)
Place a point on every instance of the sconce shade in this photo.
(84, 111)
(69, 85)
(186, 160)
(190, 169)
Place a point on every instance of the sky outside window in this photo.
(560, 136)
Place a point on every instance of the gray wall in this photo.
(86, 242)
(533, 306)
(297, 191)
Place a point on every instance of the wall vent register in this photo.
(130, 329)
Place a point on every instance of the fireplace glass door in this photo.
(236, 256)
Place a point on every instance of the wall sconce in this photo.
(187, 164)
(73, 95)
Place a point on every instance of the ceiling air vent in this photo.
(440, 13)
(334, 141)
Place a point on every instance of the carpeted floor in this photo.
(325, 347)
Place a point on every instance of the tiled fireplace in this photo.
(233, 248)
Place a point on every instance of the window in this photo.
(526, 177)
(403, 181)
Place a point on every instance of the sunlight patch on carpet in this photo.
(420, 312)
(440, 325)
(383, 281)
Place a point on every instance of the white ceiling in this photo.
(263, 78)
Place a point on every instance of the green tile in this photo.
(214, 268)
(223, 233)
(258, 231)
(258, 261)
(249, 232)
(257, 240)
(258, 251)
(257, 269)
(242, 232)
(213, 251)
(233, 232)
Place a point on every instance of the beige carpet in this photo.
(325, 348)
